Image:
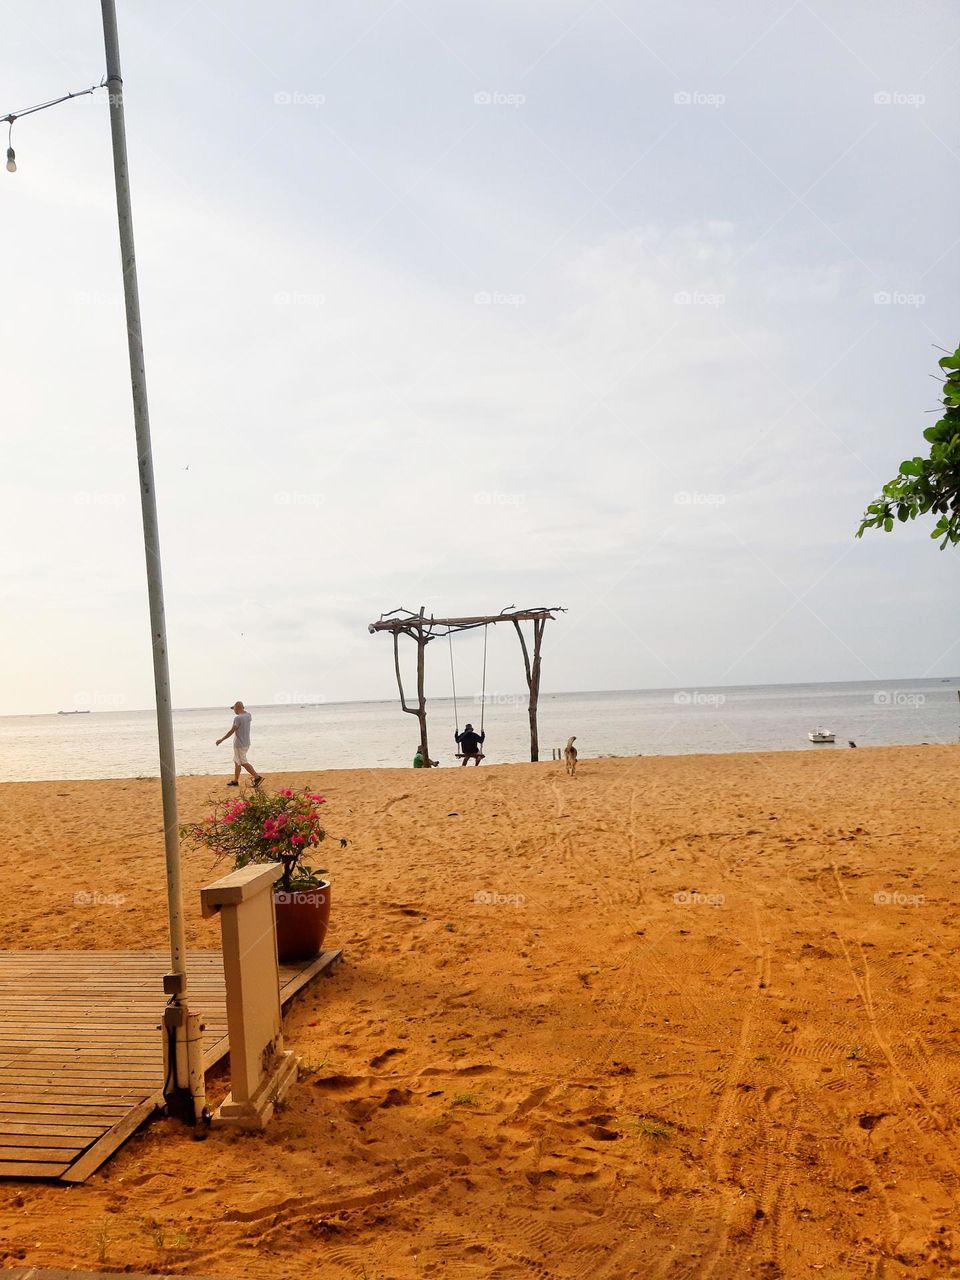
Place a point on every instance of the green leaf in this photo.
(928, 484)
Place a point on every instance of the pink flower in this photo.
(286, 792)
(297, 840)
(313, 796)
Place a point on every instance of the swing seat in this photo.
(462, 755)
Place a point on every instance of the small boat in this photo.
(821, 735)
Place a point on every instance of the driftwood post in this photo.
(420, 710)
(421, 698)
(532, 672)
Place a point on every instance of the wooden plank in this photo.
(33, 1273)
(96, 1073)
(32, 1054)
(44, 1094)
(29, 1169)
(43, 1155)
(88, 1163)
(62, 1117)
(299, 978)
(22, 1132)
(59, 1107)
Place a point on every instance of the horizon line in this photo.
(778, 684)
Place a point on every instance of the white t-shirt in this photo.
(241, 724)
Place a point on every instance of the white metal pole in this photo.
(151, 540)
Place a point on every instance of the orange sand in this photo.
(583, 1077)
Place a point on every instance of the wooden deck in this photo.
(81, 1058)
(31, 1273)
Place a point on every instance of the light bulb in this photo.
(11, 160)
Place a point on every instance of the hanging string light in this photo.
(13, 116)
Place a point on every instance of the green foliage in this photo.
(929, 484)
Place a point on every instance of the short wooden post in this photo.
(260, 1071)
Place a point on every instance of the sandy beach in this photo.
(676, 1017)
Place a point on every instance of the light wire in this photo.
(54, 102)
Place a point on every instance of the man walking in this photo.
(240, 732)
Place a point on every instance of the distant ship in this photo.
(73, 713)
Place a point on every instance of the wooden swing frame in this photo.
(422, 629)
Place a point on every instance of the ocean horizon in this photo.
(99, 743)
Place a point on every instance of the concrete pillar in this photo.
(261, 1072)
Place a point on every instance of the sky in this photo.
(625, 307)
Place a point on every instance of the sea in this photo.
(349, 735)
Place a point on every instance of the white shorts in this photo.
(240, 754)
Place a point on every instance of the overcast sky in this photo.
(470, 305)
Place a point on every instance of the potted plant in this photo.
(282, 826)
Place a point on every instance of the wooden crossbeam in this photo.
(414, 621)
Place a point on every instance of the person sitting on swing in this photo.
(469, 743)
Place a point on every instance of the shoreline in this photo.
(825, 750)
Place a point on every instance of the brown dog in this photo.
(570, 756)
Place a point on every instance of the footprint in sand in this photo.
(387, 1054)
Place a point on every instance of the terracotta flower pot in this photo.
(302, 919)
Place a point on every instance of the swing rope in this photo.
(483, 685)
(483, 682)
(453, 682)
